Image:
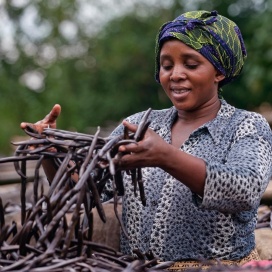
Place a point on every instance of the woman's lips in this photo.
(179, 93)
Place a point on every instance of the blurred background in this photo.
(96, 59)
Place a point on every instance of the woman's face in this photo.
(188, 78)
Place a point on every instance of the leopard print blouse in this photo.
(176, 224)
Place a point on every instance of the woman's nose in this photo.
(178, 73)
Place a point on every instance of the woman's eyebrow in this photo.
(191, 56)
(165, 56)
(185, 56)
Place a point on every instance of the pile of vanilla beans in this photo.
(46, 240)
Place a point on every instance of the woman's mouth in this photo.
(179, 91)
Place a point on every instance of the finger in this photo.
(128, 147)
(53, 114)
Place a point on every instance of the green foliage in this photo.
(104, 74)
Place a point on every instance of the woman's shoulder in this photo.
(242, 115)
(243, 122)
(253, 117)
(254, 122)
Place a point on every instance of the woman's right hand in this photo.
(49, 121)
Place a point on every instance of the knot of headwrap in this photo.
(214, 36)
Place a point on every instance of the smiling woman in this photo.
(201, 157)
(205, 164)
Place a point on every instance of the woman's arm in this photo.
(232, 186)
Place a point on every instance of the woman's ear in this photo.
(218, 76)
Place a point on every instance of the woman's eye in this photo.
(191, 66)
(166, 67)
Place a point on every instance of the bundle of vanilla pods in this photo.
(46, 240)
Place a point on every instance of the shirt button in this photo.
(145, 239)
(154, 203)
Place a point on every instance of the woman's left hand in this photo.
(153, 151)
(145, 153)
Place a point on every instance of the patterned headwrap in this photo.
(214, 36)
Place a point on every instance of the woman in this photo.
(205, 163)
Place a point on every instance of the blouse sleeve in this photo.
(238, 183)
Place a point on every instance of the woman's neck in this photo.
(187, 122)
(200, 116)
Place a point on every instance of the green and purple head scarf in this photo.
(214, 36)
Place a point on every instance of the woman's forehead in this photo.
(175, 46)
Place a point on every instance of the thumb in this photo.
(23, 125)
